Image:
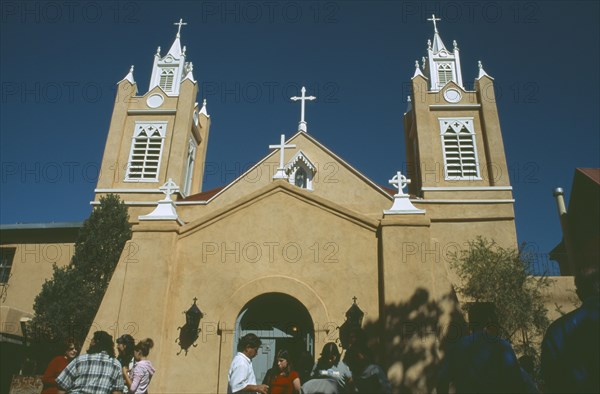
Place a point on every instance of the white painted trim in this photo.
(154, 180)
(191, 202)
(468, 123)
(139, 127)
(465, 188)
(449, 107)
(151, 111)
(336, 157)
(133, 203)
(445, 201)
(127, 190)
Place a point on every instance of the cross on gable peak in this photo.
(303, 98)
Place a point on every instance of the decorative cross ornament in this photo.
(400, 181)
(169, 188)
(434, 19)
(165, 208)
(180, 23)
(402, 204)
(280, 174)
(303, 98)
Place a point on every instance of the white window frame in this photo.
(141, 127)
(189, 166)
(445, 67)
(454, 124)
(167, 72)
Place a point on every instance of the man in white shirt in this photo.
(241, 375)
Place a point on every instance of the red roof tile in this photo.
(204, 196)
(592, 173)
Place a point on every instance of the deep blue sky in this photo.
(60, 62)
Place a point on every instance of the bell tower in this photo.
(454, 144)
(157, 136)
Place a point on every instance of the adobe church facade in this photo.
(283, 249)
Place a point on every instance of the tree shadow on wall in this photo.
(413, 335)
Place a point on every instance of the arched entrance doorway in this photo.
(281, 322)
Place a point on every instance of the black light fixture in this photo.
(354, 317)
(188, 334)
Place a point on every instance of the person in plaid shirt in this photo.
(97, 372)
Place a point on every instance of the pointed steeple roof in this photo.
(189, 68)
(418, 70)
(175, 49)
(438, 44)
(482, 72)
(203, 109)
(129, 76)
(169, 71)
(443, 66)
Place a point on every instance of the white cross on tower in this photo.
(303, 98)
(169, 188)
(280, 174)
(180, 23)
(400, 181)
(434, 19)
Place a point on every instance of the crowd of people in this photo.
(481, 362)
(99, 370)
(355, 373)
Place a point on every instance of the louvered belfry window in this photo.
(167, 76)
(146, 151)
(460, 151)
(444, 74)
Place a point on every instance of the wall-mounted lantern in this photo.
(354, 317)
(188, 334)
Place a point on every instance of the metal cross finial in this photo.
(303, 98)
(280, 174)
(400, 181)
(180, 23)
(434, 19)
(354, 299)
(195, 299)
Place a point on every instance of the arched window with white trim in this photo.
(460, 150)
(445, 74)
(146, 151)
(167, 77)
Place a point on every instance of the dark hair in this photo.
(66, 345)
(126, 340)
(587, 282)
(127, 355)
(284, 354)
(102, 342)
(248, 340)
(330, 350)
(144, 346)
